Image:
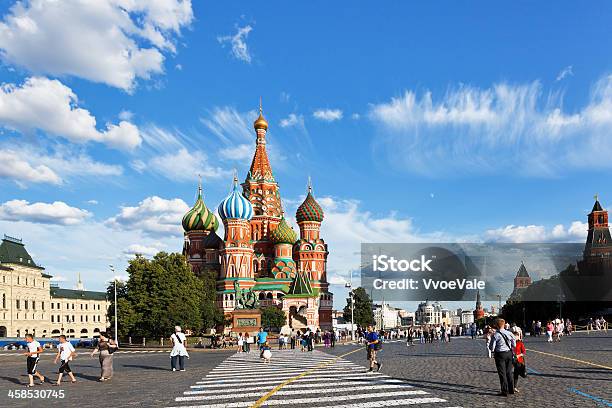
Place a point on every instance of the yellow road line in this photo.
(571, 359)
(274, 390)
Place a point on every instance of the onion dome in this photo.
(260, 122)
(200, 218)
(236, 205)
(310, 210)
(283, 234)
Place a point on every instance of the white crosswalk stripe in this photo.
(317, 380)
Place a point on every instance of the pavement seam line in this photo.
(571, 359)
(274, 390)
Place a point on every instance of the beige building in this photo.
(30, 304)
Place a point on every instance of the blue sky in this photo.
(435, 121)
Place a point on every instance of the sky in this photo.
(430, 122)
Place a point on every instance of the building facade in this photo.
(260, 252)
(30, 304)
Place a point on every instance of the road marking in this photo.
(594, 398)
(571, 359)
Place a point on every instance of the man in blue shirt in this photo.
(373, 345)
(262, 336)
(503, 344)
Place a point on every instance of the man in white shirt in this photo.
(34, 349)
(65, 353)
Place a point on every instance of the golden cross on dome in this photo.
(260, 106)
(309, 185)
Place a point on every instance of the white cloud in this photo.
(565, 72)
(239, 152)
(152, 216)
(285, 97)
(240, 49)
(109, 41)
(498, 129)
(175, 156)
(92, 202)
(126, 115)
(27, 164)
(292, 120)
(57, 212)
(19, 169)
(50, 106)
(576, 232)
(138, 249)
(327, 115)
(184, 166)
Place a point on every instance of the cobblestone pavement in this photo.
(571, 373)
(140, 379)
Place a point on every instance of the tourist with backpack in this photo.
(179, 349)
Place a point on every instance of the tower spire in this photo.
(199, 185)
(309, 185)
(260, 106)
(79, 284)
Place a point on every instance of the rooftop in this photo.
(77, 294)
(12, 251)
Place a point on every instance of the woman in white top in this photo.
(179, 349)
(240, 342)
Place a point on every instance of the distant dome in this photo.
(236, 205)
(310, 210)
(283, 234)
(200, 218)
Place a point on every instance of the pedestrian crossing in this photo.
(296, 379)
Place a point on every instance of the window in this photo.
(25, 304)
(4, 300)
(81, 318)
(17, 304)
(81, 306)
(73, 306)
(52, 306)
(42, 305)
(33, 305)
(52, 319)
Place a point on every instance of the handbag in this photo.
(514, 357)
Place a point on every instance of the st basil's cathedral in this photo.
(260, 251)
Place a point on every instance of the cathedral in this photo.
(260, 252)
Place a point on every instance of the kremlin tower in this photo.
(260, 251)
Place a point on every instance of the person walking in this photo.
(372, 346)
(65, 353)
(32, 359)
(502, 345)
(106, 347)
(240, 343)
(179, 349)
(520, 367)
(549, 331)
(262, 337)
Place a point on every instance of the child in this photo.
(65, 353)
(266, 352)
(519, 351)
(34, 349)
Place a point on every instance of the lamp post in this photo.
(115, 304)
(349, 285)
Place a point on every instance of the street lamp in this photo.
(349, 285)
(115, 282)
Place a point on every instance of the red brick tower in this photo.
(262, 191)
(479, 311)
(522, 279)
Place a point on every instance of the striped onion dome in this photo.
(236, 205)
(200, 218)
(283, 234)
(310, 210)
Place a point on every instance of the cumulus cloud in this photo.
(327, 115)
(57, 212)
(239, 152)
(110, 41)
(152, 216)
(476, 130)
(50, 106)
(138, 249)
(576, 232)
(19, 169)
(238, 43)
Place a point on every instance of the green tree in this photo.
(362, 312)
(164, 292)
(211, 315)
(272, 316)
(126, 316)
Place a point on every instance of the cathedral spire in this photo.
(79, 285)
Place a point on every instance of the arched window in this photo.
(262, 296)
(4, 300)
(269, 295)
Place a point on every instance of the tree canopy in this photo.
(272, 316)
(363, 314)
